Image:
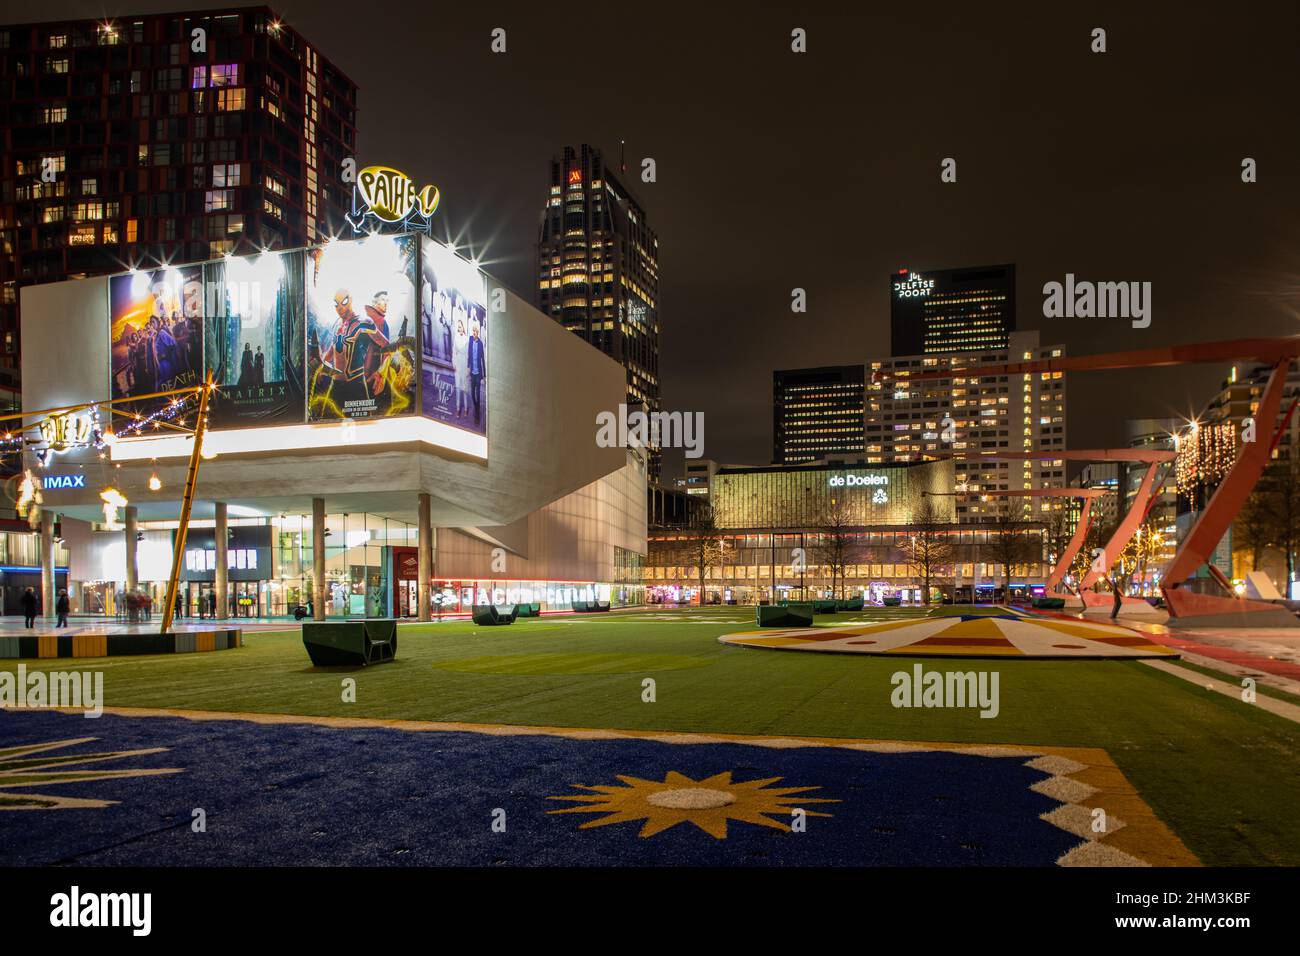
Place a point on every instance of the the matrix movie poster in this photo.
(453, 339)
(361, 329)
(255, 339)
(156, 336)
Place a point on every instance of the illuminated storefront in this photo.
(834, 530)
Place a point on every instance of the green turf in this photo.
(1222, 773)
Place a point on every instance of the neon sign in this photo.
(856, 481)
(914, 286)
(61, 431)
(391, 196)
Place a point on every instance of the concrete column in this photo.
(47, 564)
(132, 566)
(425, 560)
(222, 578)
(318, 558)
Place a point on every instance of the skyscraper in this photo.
(817, 412)
(952, 310)
(906, 420)
(140, 140)
(598, 270)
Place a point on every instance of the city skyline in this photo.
(729, 209)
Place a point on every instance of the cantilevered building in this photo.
(126, 146)
(598, 270)
(817, 413)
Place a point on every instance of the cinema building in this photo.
(392, 434)
(832, 528)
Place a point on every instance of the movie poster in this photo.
(453, 339)
(156, 336)
(361, 329)
(254, 341)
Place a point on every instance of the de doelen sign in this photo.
(856, 481)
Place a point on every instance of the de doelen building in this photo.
(370, 472)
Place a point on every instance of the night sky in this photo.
(821, 170)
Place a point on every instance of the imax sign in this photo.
(857, 481)
(49, 482)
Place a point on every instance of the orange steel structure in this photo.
(1214, 520)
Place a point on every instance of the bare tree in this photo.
(928, 547)
(706, 545)
(1280, 489)
(1139, 552)
(1010, 543)
(838, 546)
(1253, 527)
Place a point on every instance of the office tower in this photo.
(816, 413)
(952, 310)
(598, 270)
(906, 421)
(136, 140)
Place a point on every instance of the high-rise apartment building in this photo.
(176, 137)
(598, 270)
(906, 421)
(952, 310)
(817, 412)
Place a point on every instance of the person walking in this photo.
(61, 607)
(212, 604)
(29, 607)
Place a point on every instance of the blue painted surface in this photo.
(303, 794)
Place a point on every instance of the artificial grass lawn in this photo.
(1222, 773)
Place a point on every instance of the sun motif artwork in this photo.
(709, 804)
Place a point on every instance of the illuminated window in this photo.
(226, 174)
(217, 199)
(225, 74)
(229, 100)
(54, 114)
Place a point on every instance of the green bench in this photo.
(350, 643)
(1049, 603)
(783, 615)
(528, 610)
(491, 615)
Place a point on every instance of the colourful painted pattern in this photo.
(286, 790)
(984, 632)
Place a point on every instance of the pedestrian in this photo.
(61, 606)
(29, 607)
(212, 604)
